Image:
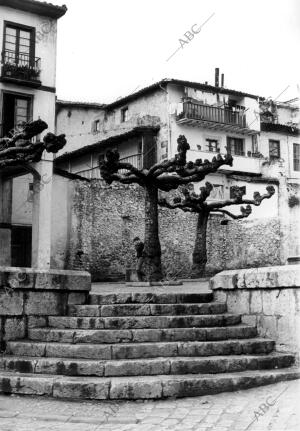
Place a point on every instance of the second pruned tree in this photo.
(165, 176)
(196, 203)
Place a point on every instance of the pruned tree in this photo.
(196, 203)
(165, 176)
(20, 150)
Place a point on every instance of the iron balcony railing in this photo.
(196, 111)
(20, 66)
(135, 160)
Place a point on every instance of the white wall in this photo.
(45, 47)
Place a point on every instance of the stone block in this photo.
(270, 277)
(256, 301)
(26, 385)
(249, 319)
(30, 278)
(220, 295)
(45, 303)
(137, 389)
(269, 300)
(238, 301)
(137, 368)
(77, 298)
(11, 303)
(267, 326)
(14, 328)
(82, 389)
(37, 321)
(285, 304)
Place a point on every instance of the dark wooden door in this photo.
(21, 246)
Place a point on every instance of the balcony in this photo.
(214, 118)
(20, 69)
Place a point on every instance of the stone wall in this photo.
(105, 219)
(28, 297)
(268, 298)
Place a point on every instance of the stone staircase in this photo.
(142, 346)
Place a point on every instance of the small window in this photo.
(296, 157)
(235, 146)
(233, 191)
(274, 149)
(212, 145)
(124, 114)
(96, 126)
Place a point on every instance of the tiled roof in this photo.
(135, 131)
(164, 82)
(40, 8)
(78, 104)
(279, 128)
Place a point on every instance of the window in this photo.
(96, 126)
(212, 145)
(17, 111)
(235, 146)
(19, 45)
(233, 190)
(274, 149)
(124, 114)
(296, 157)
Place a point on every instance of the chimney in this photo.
(222, 80)
(217, 71)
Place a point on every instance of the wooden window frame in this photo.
(274, 141)
(19, 27)
(296, 161)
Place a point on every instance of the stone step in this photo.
(97, 336)
(156, 296)
(119, 310)
(136, 387)
(150, 322)
(143, 367)
(140, 350)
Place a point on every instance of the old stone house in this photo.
(28, 39)
(144, 127)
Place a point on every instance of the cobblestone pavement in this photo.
(274, 407)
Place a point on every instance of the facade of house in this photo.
(27, 92)
(144, 127)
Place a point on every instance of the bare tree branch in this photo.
(245, 212)
(164, 203)
(238, 199)
(19, 150)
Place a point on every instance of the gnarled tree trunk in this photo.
(199, 253)
(152, 248)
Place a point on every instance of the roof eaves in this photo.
(40, 8)
(112, 139)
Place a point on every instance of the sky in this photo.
(108, 49)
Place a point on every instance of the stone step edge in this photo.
(153, 315)
(134, 345)
(139, 387)
(81, 330)
(144, 367)
(151, 294)
(272, 355)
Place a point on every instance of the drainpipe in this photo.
(168, 123)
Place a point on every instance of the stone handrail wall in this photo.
(268, 297)
(28, 296)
